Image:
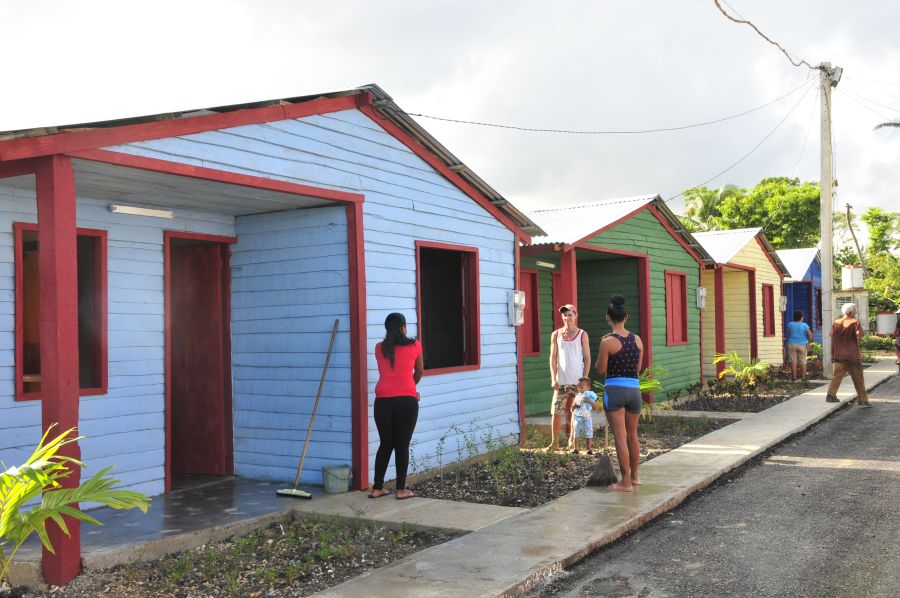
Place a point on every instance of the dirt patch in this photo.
(529, 477)
(723, 396)
(294, 558)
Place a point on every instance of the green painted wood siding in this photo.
(598, 280)
(536, 369)
(643, 233)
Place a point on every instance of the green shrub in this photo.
(877, 343)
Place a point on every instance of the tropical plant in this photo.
(815, 351)
(647, 379)
(42, 473)
(743, 372)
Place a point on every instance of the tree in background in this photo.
(702, 207)
(883, 265)
(883, 230)
(787, 209)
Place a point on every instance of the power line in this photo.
(812, 117)
(878, 91)
(743, 21)
(601, 132)
(875, 81)
(869, 108)
(871, 100)
(748, 154)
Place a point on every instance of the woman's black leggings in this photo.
(395, 418)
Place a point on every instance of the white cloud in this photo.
(580, 65)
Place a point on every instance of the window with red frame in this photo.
(768, 296)
(448, 305)
(91, 264)
(531, 328)
(676, 308)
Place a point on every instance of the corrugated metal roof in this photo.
(382, 102)
(723, 245)
(571, 223)
(798, 261)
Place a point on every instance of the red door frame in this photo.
(225, 241)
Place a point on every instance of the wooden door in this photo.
(200, 403)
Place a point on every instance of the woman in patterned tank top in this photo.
(620, 357)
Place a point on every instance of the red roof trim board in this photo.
(17, 168)
(781, 270)
(610, 225)
(442, 168)
(653, 210)
(29, 147)
(212, 174)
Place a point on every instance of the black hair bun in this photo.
(617, 300)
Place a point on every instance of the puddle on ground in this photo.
(616, 586)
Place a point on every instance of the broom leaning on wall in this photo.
(295, 492)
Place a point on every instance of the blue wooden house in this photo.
(170, 284)
(803, 287)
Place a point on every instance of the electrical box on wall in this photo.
(783, 303)
(516, 308)
(701, 297)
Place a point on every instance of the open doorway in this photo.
(199, 437)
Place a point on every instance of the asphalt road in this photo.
(817, 516)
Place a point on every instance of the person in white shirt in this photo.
(570, 360)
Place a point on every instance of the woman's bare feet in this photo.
(636, 481)
(620, 487)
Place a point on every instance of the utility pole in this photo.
(828, 78)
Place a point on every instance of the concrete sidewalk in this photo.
(508, 557)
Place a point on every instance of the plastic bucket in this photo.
(336, 478)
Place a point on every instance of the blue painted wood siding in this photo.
(405, 200)
(797, 294)
(289, 283)
(125, 427)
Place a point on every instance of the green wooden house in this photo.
(633, 246)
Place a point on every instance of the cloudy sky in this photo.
(580, 65)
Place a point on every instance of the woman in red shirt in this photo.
(400, 368)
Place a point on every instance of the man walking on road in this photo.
(570, 359)
(845, 336)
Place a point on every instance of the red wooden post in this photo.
(358, 333)
(754, 322)
(568, 272)
(719, 276)
(58, 264)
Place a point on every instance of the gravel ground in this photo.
(530, 477)
(295, 558)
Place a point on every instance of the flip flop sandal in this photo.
(384, 492)
(405, 496)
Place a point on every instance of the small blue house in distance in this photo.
(803, 287)
(192, 266)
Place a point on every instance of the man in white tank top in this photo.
(570, 359)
